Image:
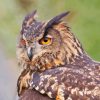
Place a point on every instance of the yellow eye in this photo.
(45, 41)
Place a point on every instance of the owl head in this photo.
(44, 45)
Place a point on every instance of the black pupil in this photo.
(45, 39)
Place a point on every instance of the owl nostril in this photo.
(30, 53)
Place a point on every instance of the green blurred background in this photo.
(84, 20)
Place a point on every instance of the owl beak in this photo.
(30, 53)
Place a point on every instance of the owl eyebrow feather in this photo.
(53, 21)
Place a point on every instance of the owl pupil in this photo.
(45, 40)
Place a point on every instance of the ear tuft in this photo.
(55, 20)
(29, 19)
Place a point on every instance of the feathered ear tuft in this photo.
(55, 20)
(29, 19)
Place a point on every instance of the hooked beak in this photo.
(30, 53)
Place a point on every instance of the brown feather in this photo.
(33, 95)
(62, 69)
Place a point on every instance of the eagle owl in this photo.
(54, 63)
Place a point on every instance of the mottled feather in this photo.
(60, 70)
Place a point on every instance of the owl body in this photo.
(68, 82)
(55, 65)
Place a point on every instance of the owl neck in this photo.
(77, 56)
(72, 50)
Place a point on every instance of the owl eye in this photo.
(45, 41)
(23, 42)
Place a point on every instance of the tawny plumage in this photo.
(55, 65)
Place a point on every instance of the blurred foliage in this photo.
(25, 4)
(83, 19)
